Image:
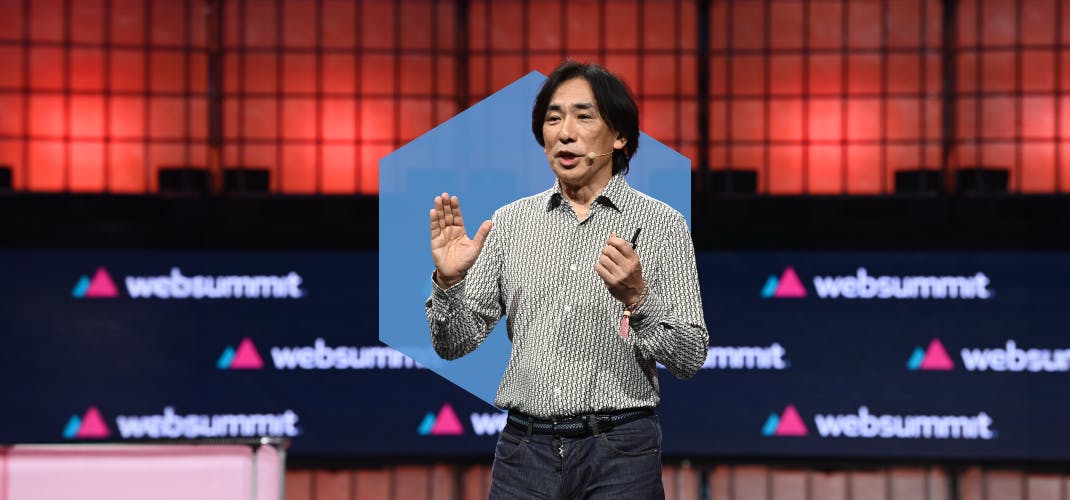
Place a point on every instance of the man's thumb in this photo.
(481, 234)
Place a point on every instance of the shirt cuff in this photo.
(649, 312)
(443, 300)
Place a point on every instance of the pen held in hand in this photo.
(635, 237)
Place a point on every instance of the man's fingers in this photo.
(611, 275)
(603, 272)
(620, 244)
(447, 209)
(614, 254)
(611, 267)
(481, 234)
(625, 257)
(435, 229)
(440, 213)
(455, 206)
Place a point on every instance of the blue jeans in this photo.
(624, 462)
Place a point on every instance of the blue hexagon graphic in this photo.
(487, 157)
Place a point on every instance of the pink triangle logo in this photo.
(101, 286)
(447, 423)
(791, 423)
(246, 357)
(790, 286)
(93, 426)
(936, 357)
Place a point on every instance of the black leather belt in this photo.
(581, 425)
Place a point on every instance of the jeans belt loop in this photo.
(592, 421)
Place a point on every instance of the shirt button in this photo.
(568, 308)
(557, 391)
(561, 349)
(572, 267)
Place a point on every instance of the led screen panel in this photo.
(813, 354)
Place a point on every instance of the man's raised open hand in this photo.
(451, 249)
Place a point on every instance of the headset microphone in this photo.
(592, 156)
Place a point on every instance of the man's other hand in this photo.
(620, 269)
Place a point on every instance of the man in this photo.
(588, 312)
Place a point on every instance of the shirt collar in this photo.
(612, 196)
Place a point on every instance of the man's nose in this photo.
(568, 131)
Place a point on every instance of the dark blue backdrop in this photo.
(133, 358)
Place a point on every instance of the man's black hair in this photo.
(615, 105)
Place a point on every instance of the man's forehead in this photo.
(575, 92)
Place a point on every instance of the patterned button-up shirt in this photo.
(537, 269)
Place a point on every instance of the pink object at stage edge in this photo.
(129, 472)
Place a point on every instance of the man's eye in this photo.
(551, 119)
(585, 117)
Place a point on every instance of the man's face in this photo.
(571, 129)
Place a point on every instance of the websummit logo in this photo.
(100, 287)
(865, 424)
(245, 357)
(445, 423)
(788, 423)
(933, 358)
(88, 426)
(788, 286)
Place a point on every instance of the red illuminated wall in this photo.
(651, 44)
(823, 97)
(95, 94)
(816, 96)
(833, 97)
(319, 91)
(1013, 73)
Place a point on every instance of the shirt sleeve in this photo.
(669, 325)
(461, 316)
